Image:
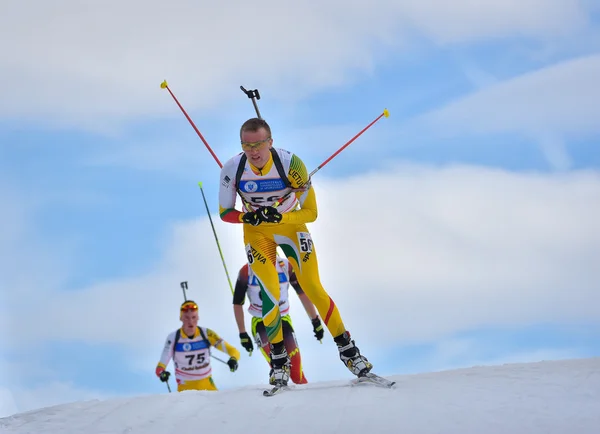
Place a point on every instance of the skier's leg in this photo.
(260, 338)
(298, 246)
(293, 350)
(261, 253)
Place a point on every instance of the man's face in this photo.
(256, 145)
(189, 319)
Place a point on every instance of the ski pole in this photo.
(216, 238)
(385, 113)
(168, 387)
(254, 96)
(164, 85)
(220, 360)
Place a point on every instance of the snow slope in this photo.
(532, 398)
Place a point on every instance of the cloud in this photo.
(16, 396)
(460, 352)
(559, 99)
(463, 245)
(7, 403)
(445, 250)
(30, 261)
(74, 63)
(547, 105)
(49, 394)
(413, 254)
(177, 156)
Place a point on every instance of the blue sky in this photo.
(473, 209)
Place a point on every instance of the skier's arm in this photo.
(294, 279)
(298, 177)
(221, 345)
(239, 295)
(167, 352)
(308, 306)
(227, 194)
(238, 312)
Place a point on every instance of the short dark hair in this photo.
(255, 124)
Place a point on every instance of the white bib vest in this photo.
(191, 357)
(253, 292)
(265, 189)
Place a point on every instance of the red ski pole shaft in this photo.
(385, 113)
(164, 85)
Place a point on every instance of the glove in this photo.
(162, 374)
(233, 364)
(269, 214)
(246, 342)
(318, 328)
(252, 218)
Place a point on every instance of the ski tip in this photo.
(274, 390)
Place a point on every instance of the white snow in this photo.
(530, 398)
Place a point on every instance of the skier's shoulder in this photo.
(170, 340)
(284, 155)
(211, 336)
(232, 164)
(171, 336)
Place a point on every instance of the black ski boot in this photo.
(280, 365)
(350, 355)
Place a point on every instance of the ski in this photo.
(369, 378)
(274, 390)
(377, 380)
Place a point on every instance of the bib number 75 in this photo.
(199, 359)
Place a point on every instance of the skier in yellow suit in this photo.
(189, 347)
(278, 202)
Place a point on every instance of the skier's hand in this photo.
(252, 218)
(318, 328)
(269, 214)
(162, 374)
(233, 364)
(246, 342)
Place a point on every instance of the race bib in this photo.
(305, 242)
(249, 254)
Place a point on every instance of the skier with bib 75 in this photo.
(189, 347)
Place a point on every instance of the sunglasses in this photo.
(248, 146)
(189, 307)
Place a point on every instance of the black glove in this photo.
(233, 364)
(164, 376)
(269, 214)
(318, 328)
(252, 218)
(246, 342)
